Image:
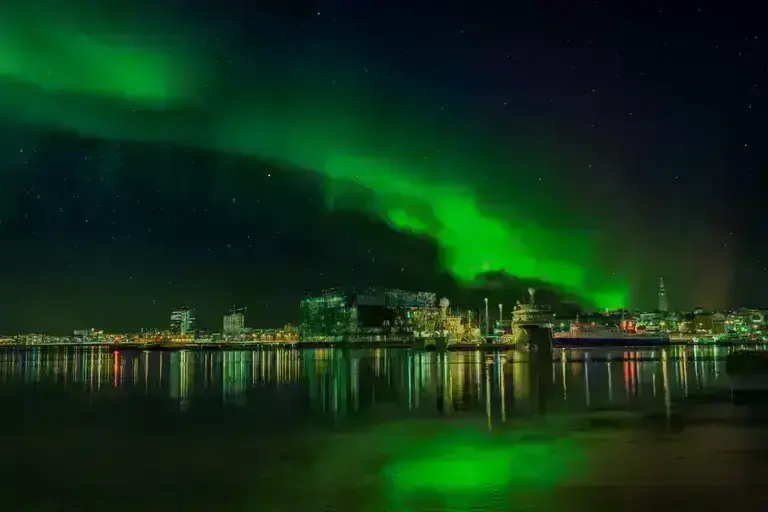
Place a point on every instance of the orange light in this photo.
(115, 366)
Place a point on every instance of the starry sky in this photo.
(220, 153)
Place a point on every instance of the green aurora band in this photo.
(65, 74)
(63, 56)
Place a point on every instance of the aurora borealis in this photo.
(95, 53)
(452, 151)
(349, 148)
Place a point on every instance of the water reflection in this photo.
(340, 382)
(368, 430)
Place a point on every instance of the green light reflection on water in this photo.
(463, 467)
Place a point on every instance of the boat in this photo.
(531, 325)
(591, 334)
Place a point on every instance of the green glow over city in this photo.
(376, 158)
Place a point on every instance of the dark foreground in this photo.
(378, 430)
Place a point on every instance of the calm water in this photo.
(373, 430)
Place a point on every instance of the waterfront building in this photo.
(183, 320)
(718, 323)
(687, 323)
(88, 335)
(372, 313)
(749, 316)
(703, 321)
(744, 320)
(81, 335)
(234, 323)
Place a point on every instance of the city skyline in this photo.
(232, 322)
(206, 155)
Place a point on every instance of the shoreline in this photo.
(298, 345)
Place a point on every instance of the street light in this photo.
(487, 318)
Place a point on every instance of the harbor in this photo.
(371, 317)
(492, 345)
(418, 320)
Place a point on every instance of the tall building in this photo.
(663, 301)
(234, 322)
(183, 320)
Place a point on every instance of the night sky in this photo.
(219, 153)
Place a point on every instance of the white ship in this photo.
(528, 319)
(597, 334)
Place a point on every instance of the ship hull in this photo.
(586, 341)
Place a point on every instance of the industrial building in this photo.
(371, 314)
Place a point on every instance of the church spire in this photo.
(663, 302)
